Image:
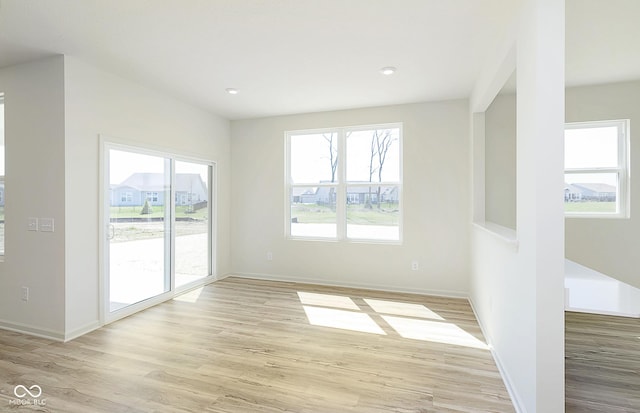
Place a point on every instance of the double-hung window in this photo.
(345, 183)
(596, 171)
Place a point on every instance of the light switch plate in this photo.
(32, 224)
(46, 224)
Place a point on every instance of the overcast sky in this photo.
(123, 164)
(310, 158)
(591, 148)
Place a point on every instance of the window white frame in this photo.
(107, 143)
(622, 170)
(2, 178)
(341, 183)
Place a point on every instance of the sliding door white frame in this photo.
(109, 143)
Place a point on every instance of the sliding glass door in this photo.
(192, 226)
(158, 232)
(139, 217)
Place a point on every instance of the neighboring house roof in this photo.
(189, 183)
(297, 191)
(149, 181)
(597, 187)
(572, 188)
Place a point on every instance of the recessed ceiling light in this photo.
(232, 91)
(389, 70)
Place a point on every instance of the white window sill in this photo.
(597, 216)
(507, 235)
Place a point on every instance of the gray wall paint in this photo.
(608, 245)
(605, 245)
(35, 174)
(98, 103)
(436, 204)
(54, 111)
(500, 161)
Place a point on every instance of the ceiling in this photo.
(297, 56)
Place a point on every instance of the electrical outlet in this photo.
(24, 293)
(415, 266)
(32, 224)
(269, 256)
(46, 224)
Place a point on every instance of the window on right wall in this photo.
(596, 169)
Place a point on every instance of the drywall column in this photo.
(517, 286)
(540, 157)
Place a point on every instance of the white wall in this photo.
(608, 245)
(96, 104)
(435, 212)
(35, 171)
(517, 287)
(500, 161)
(612, 250)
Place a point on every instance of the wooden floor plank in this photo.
(248, 345)
(602, 366)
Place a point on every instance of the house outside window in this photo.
(345, 183)
(597, 169)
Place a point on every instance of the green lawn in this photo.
(587, 207)
(158, 212)
(313, 214)
(388, 214)
(356, 214)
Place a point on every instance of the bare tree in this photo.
(372, 166)
(333, 153)
(383, 141)
(333, 162)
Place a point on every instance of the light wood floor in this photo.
(602, 363)
(254, 346)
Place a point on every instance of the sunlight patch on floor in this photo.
(342, 319)
(190, 297)
(409, 320)
(434, 331)
(404, 309)
(327, 300)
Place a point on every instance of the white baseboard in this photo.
(601, 312)
(221, 277)
(87, 328)
(341, 283)
(515, 398)
(31, 330)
